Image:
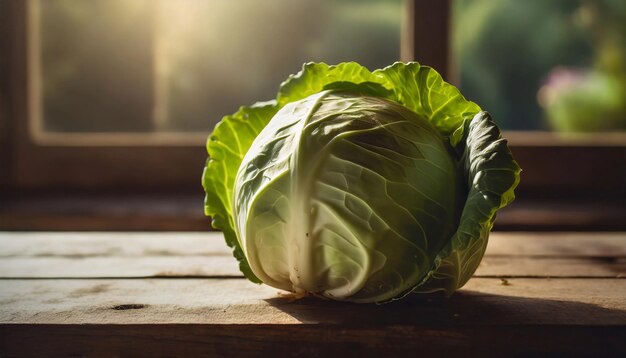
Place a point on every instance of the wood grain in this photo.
(235, 317)
(226, 266)
(562, 244)
(558, 244)
(173, 340)
(125, 267)
(107, 244)
(181, 294)
(515, 266)
(127, 255)
(483, 301)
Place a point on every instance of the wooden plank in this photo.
(226, 266)
(561, 244)
(92, 244)
(543, 213)
(83, 244)
(53, 211)
(516, 266)
(58, 211)
(483, 301)
(173, 340)
(97, 255)
(119, 267)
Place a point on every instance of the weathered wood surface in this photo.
(213, 266)
(483, 301)
(181, 294)
(109, 255)
(89, 244)
(190, 340)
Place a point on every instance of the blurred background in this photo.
(544, 65)
(106, 104)
(180, 65)
(170, 65)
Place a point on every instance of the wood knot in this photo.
(131, 306)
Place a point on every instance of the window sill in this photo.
(105, 212)
(184, 212)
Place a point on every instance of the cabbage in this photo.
(359, 186)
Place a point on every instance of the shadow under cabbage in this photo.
(463, 308)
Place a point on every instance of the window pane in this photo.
(544, 65)
(180, 65)
(96, 65)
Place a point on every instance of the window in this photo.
(565, 73)
(122, 94)
(129, 111)
(179, 66)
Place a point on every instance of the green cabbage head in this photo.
(359, 186)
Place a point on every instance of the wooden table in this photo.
(182, 294)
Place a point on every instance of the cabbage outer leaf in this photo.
(422, 90)
(492, 175)
(226, 146)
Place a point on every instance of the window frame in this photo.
(93, 162)
(581, 168)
